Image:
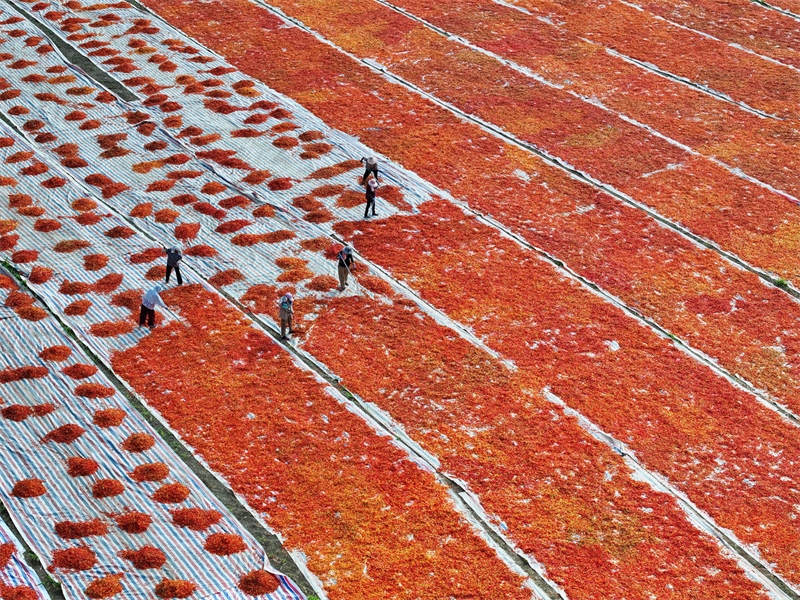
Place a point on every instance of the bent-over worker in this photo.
(150, 300)
(346, 264)
(371, 166)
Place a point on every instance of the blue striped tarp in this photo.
(17, 572)
(23, 455)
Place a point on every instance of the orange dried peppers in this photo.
(763, 148)
(366, 516)
(741, 22)
(629, 254)
(681, 419)
(424, 138)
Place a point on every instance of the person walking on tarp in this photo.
(371, 166)
(174, 256)
(372, 185)
(150, 300)
(286, 313)
(346, 264)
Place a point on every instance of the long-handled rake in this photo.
(359, 289)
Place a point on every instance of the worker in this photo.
(372, 185)
(150, 300)
(346, 264)
(371, 166)
(285, 313)
(174, 256)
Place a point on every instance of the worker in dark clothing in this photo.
(346, 264)
(372, 185)
(174, 256)
(285, 313)
(371, 166)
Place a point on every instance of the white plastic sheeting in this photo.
(16, 573)
(25, 455)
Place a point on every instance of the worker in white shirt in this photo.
(370, 167)
(150, 300)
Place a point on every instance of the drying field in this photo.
(567, 362)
